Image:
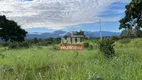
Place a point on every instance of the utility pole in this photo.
(100, 29)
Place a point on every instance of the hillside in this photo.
(57, 33)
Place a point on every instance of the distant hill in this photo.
(58, 33)
(104, 33)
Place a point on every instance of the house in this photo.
(72, 38)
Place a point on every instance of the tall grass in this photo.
(46, 63)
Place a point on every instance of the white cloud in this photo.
(53, 14)
(125, 1)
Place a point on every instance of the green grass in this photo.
(45, 63)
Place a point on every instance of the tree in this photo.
(35, 40)
(80, 32)
(128, 33)
(133, 16)
(11, 31)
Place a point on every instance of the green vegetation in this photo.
(31, 43)
(11, 31)
(49, 63)
(40, 59)
(107, 47)
(132, 21)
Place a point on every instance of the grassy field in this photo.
(45, 63)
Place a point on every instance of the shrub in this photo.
(115, 38)
(86, 44)
(5, 44)
(16, 45)
(107, 47)
(97, 41)
(24, 44)
(55, 47)
(91, 47)
(41, 44)
(35, 40)
(13, 45)
(125, 41)
(128, 33)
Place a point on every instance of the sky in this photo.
(68, 15)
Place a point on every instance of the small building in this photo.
(72, 37)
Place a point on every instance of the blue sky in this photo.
(68, 15)
(115, 9)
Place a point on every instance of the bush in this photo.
(13, 45)
(125, 41)
(16, 45)
(91, 47)
(35, 40)
(97, 41)
(115, 38)
(5, 45)
(107, 47)
(55, 47)
(86, 44)
(24, 44)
